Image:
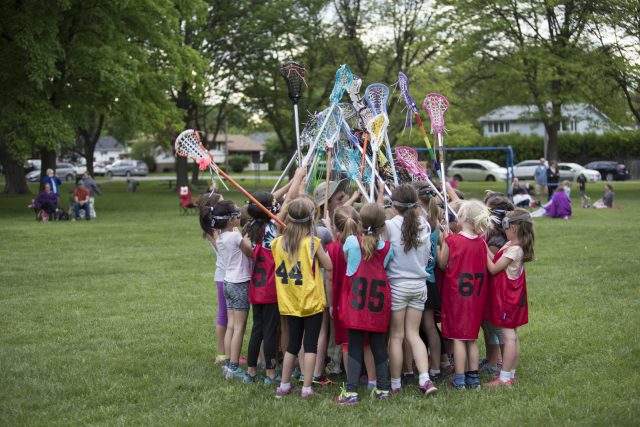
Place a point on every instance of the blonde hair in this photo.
(524, 233)
(299, 221)
(347, 222)
(429, 202)
(476, 214)
(372, 217)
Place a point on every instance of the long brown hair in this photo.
(405, 201)
(524, 233)
(372, 217)
(299, 222)
(347, 222)
(428, 199)
(259, 219)
(205, 207)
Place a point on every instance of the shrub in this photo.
(237, 163)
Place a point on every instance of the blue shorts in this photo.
(492, 333)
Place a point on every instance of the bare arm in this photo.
(354, 197)
(496, 268)
(245, 246)
(380, 198)
(443, 255)
(281, 192)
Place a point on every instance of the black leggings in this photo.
(266, 319)
(309, 327)
(356, 356)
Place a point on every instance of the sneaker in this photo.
(408, 379)
(225, 368)
(247, 378)
(275, 380)
(296, 375)
(371, 387)
(346, 398)
(280, 392)
(242, 360)
(308, 394)
(380, 394)
(437, 378)
(455, 386)
(428, 388)
(496, 383)
(219, 362)
(238, 374)
(322, 380)
(474, 386)
(483, 362)
(490, 370)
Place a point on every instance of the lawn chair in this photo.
(187, 203)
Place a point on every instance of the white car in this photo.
(571, 172)
(526, 169)
(476, 170)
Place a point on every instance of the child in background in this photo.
(261, 231)
(464, 258)
(508, 289)
(365, 302)
(298, 257)
(607, 199)
(409, 235)
(585, 201)
(205, 206)
(237, 252)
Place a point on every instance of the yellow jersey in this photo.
(299, 284)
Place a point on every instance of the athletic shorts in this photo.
(434, 300)
(408, 294)
(492, 333)
(237, 296)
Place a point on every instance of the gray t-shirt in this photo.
(411, 265)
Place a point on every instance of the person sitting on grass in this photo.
(558, 207)
(81, 201)
(607, 199)
(46, 203)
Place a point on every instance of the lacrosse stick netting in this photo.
(377, 128)
(188, 145)
(293, 74)
(408, 166)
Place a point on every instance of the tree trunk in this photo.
(48, 161)
(90, 136)
(14, 176)
(552, 147)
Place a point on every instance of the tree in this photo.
(536, 52)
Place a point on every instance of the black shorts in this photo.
(434, 300)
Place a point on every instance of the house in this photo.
(109, 149)
(523, 119)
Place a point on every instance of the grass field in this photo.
(111, 322)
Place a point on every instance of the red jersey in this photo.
(507, 306)
(263, 282)
(463, 290)
(365, 301)
(335, 252)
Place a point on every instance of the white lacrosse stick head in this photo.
(436, 105)
(188, 145)
(376, 96)
(377, 127)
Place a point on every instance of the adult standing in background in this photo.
(53, 181)
(553, 178)
(90, 184)
(540, 175)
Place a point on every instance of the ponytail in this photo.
(405, 201)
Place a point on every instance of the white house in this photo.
(108, 149)
(523, 119)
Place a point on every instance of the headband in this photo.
(404, 205)
(274, 208)
(214, 218)
(506, 222)
(373, 228)
(311, 216)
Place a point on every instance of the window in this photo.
(573, 126)
(498, 127)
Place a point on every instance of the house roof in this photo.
(240, 143)
(530, 112)
(108, 143)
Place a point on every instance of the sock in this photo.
(373, 384)
(226, 362)
(396, 383)
(472, 377)
(499, 363)
(220, 357)
(434, 372)
(423, 378)
(513, 373)
(408, 374)
(505, 376)
(445, 361)
(233, 366)
(285, 386)
(458, 379)
(306, 389)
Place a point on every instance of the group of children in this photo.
(381, 278)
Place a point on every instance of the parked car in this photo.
(65, 172)
(526, 169)
(31, 165)
(610, 170)
(571, 172)
(476, 170)
(100, 168)
(80, 166)
(127, 168)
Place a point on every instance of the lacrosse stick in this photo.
(188, 145)
(333, 133)
(293, 74)
(436, 105)
(346, 162)
(376, 128)
(376, 96)
(403, 84)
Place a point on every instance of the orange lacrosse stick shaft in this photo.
(364, 153)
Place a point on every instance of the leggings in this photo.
(266, 319)
(222, 305)
(378, 346)
(309, 327)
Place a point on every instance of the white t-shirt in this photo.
(238, 266)
(408, 266)
(218, 275)
(514, 253)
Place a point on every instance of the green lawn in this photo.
(111, 322)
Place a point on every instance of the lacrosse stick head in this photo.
(188, 144)
(377, 127)
(344, 77)
(403, 84)
(293, 74)
(436, 105)
(348, 112)
(406, 160)
(347, 162)
(332, 129)
(376, 96)
(354, 88)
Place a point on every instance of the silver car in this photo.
(526, 169)
(127, 168)
(571, 172)
(65, 172)
(476, 170)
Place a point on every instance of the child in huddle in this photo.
(298, 257)
(237, 253)
(508, 289)
(409, 235)
(365, 302)
(464, 258)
